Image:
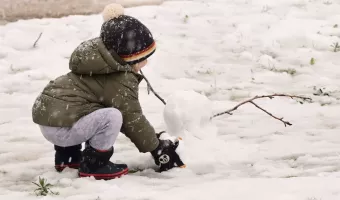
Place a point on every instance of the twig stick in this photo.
(280, 119)
(6, 122)
(36, 42)
(152, 90)
(259, 97)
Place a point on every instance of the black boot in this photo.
(67, 157)
(166, 157)
(97, 164)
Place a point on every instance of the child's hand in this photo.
(166, 157)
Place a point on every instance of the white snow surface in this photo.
(181, 114)
(215, 54)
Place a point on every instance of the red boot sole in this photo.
(104, 176)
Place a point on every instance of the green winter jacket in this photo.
(98, 79)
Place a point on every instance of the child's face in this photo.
(139, 66)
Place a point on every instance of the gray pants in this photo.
(100, 127)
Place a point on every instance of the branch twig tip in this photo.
(260, 97)
(37, 40)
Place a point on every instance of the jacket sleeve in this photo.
(124, 97)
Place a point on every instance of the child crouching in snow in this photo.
(99, 98)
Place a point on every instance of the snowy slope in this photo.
(227, 50)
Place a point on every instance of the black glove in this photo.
(159, 134)
(165, 155)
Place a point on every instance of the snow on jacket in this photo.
(98, 79)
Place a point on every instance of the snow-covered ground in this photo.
(226, 50)
(11, 10)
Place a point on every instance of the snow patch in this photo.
(188, 112)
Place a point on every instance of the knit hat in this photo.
(125, 35)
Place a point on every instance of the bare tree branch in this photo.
(6, 122)
(149, 88)
(259, 97)
(280, 119)
(36, 42)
